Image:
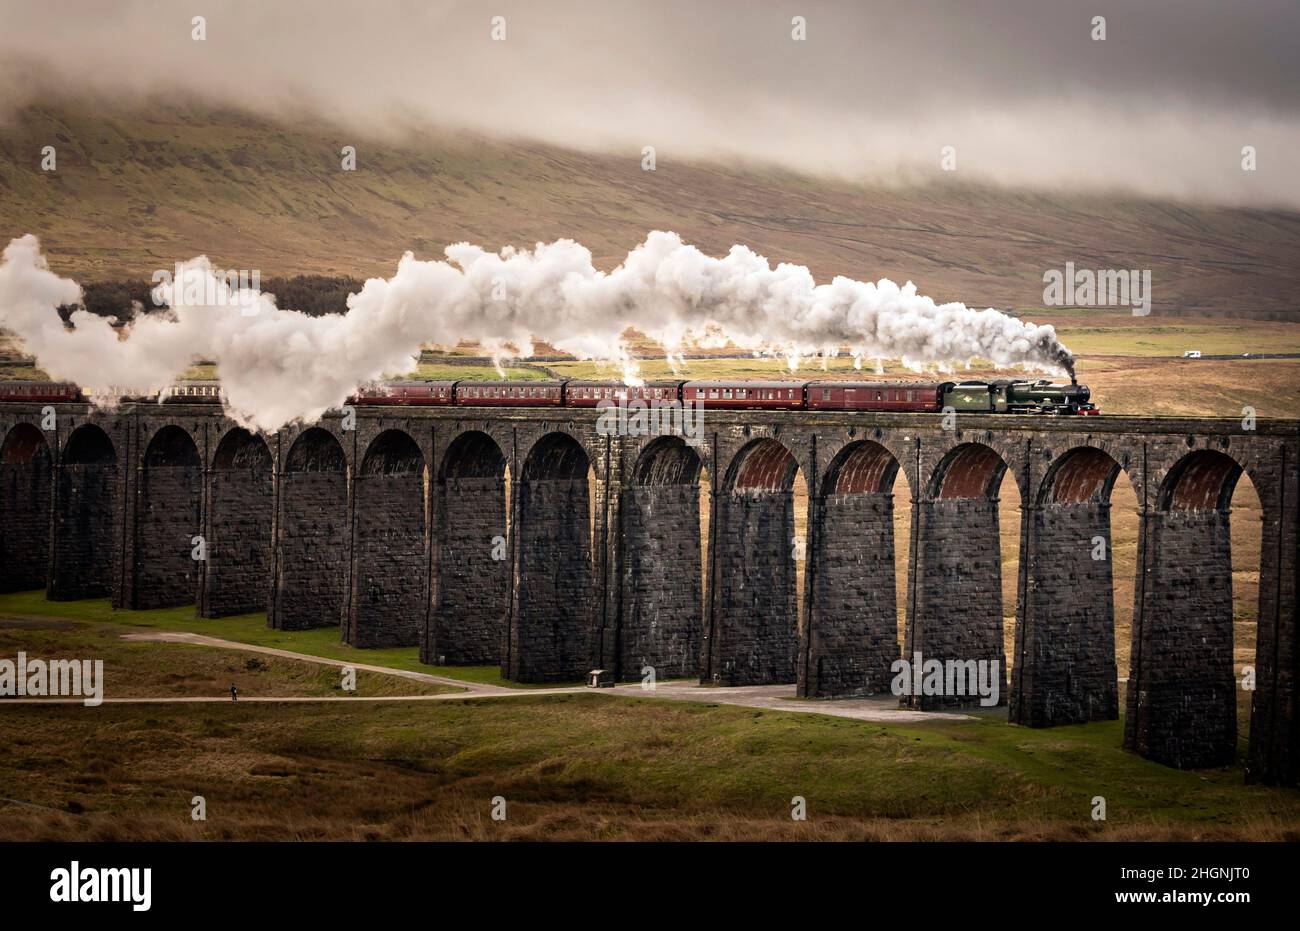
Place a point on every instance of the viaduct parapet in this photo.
(531, 539)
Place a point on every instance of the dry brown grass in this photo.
(592, 767)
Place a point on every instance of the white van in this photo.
(1192, 354)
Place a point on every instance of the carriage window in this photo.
(726, 393)
(879, 396)
(826, 394)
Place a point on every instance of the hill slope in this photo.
(134, 192)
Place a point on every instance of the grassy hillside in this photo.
(589, 767)
(136, 191)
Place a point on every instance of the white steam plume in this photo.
(278, 366)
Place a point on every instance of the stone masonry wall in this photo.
(661, 581)
(550, 636)
(958, 591)
(236, 579)
(313, 557)
(755, 621)
(391, 565)
(1182, 695)
(469, 615)
(166, 574)
(1065, 646)
(25, 523)
(853, 633)
(85, 531)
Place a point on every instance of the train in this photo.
(1006, 396)
(188, 392)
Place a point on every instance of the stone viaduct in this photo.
(531, 539)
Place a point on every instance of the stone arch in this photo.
(850, 639)
(1080, 475)
(660, 626)
(556, 456)
(471, 597)
(1065, 670)
(171, 447)
(667, 460)
(25, 489)
(955, 597)
(1182, 693)
(85, 516)
(754, 598)
(473, 454)
(88, 444)
(389, 597)
(762, 465)
(167, 519)
(549, 632)
(241, 497)
(23, 444)
(316, 450)
(1201, 480)
(240, 449)
(86, 519)
(861, 467)
(969, 470)
(312, 546)
(392, 452)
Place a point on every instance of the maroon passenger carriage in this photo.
(42, 391)
(592, 393)
(874, 396)
(422, 393)
(509, 393)
(745, 394)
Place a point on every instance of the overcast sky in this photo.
(1162, 107)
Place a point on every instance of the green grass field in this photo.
(247, 628)
(150, 669)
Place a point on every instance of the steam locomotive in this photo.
(1001, 397)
